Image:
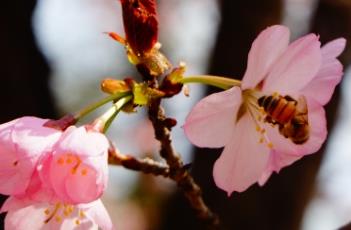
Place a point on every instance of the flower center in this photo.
(284, 112)
(61, 211)
(257, 113)
(74, 163)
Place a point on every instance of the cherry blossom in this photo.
(22, 213)
(22, 141)
(255, 144)
(63, 188)
(77, 167)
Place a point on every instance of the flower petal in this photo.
(243, 159)
(83, 142)
(82, 186)
(296, 67)
(77, 169)
(100, 216)
(22, 142)
(12, 203)
(321, 87)
(333, 49)
(21, 219)
(286, 152)
(45, 216)
(211, 121)
(265, 50)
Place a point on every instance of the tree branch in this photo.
(177, 172)
(145, 165)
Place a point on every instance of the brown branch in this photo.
(145, 165)
(177, 172)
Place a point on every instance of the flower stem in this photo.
(107, 118)
(85, 111)
(220, 82)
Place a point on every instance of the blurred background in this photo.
(54, 54)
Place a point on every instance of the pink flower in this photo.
(259, 136)
(77, 167)
(22, 142)
(25, 214)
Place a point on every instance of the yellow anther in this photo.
(261, 140)
(258, 128)
(60, 161)
(275, 94)
(81, 214)
(66, 213)
(84, 172)
(58, 218)
(73, 171)
(270, 145)
(77, 222)
(47, 211)
(263, 131)
(69, 160)
(259, 118)
(70, 208)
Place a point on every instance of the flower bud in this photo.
(140, 24)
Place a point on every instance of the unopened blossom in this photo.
(140, 24)
(77, 167)
(301, 75)
(22, 142)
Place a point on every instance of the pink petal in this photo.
(333, 49)
(22, 142)
(285, 151)
(78, 168)
(99, 215)
(321, 87)
(265, 176)
(83, 142)
(29, 130)
(12, 203)
(296, 67)
(35, 217)
(83, 188)
(243, 159)
(265, 50)
(211, 121)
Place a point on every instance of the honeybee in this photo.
(290, 115)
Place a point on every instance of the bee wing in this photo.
(301, 106)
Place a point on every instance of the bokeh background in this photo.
(54, 54)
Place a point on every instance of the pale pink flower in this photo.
(23, 214)
(41, 208)
(77, 167)
(22, 142)
(253, 146)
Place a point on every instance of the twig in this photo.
(145, 165)
(177, 172)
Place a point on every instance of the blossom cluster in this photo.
(53, 178)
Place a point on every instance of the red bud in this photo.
(140, 24)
